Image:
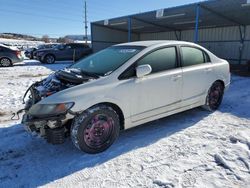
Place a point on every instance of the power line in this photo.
(41, 9)
(41, 34)
(31, 14)
(66, 5)
(48, 22)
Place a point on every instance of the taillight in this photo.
(18, 54)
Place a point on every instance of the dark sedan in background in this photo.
(62, 52)
(31, 52)
(9, 56)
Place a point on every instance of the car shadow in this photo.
(31, 162)
(236, 101)
(54, 67)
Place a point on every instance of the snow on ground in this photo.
(191, 149)
(14, 81)
(20, 42)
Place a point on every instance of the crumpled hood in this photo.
(51, 89)
(83, 93)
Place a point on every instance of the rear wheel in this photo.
(214, 97)
(49, 59)
(96, 129)
(5, 62)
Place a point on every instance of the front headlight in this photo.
(50, 109)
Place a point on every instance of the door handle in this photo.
(176, 77)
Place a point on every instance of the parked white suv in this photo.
(121, 87)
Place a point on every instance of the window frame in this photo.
(204, 53)
(134, 65)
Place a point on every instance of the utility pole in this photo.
(86, 22)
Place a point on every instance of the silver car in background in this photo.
(9, 56)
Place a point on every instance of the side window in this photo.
(129, 73)
(206, 57)
(84, 46)
(160, 60)
(192, 56)
(80, 46)
(68, 47)
(3, 49)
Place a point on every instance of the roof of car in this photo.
(154, 42)
(9, 47)
(2, 45)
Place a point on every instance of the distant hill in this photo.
(32, 38)
(77, 37)
(18, 36)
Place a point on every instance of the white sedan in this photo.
(121, 87)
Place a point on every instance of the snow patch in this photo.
(191, 149)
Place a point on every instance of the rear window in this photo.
(77, 45)
(3, 49)
(193, 56)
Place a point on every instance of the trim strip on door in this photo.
(165, 112)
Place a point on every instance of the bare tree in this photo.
(61, 40)
(64, 40)
(45, 38)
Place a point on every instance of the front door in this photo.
(160, 91)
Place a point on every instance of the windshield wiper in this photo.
(91, 74)
(108, 73)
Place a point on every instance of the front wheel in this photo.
(49, 59)
(214, 96)
(96, 129)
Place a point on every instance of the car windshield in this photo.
(40, 46)
(107, 60)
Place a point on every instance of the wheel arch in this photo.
(220, 81)
(6, 58)
(118, 110)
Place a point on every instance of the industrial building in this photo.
(222, 26)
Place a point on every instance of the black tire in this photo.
(5, 62)
(214, 96)
(49, 59)
(96, 129)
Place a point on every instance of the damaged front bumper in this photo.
(51, 128)
(35, 124)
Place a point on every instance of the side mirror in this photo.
(143, 70)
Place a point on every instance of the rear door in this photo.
(66, 53)
(1, 51)
(80, 50)
(197, 74)
(6, 52)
